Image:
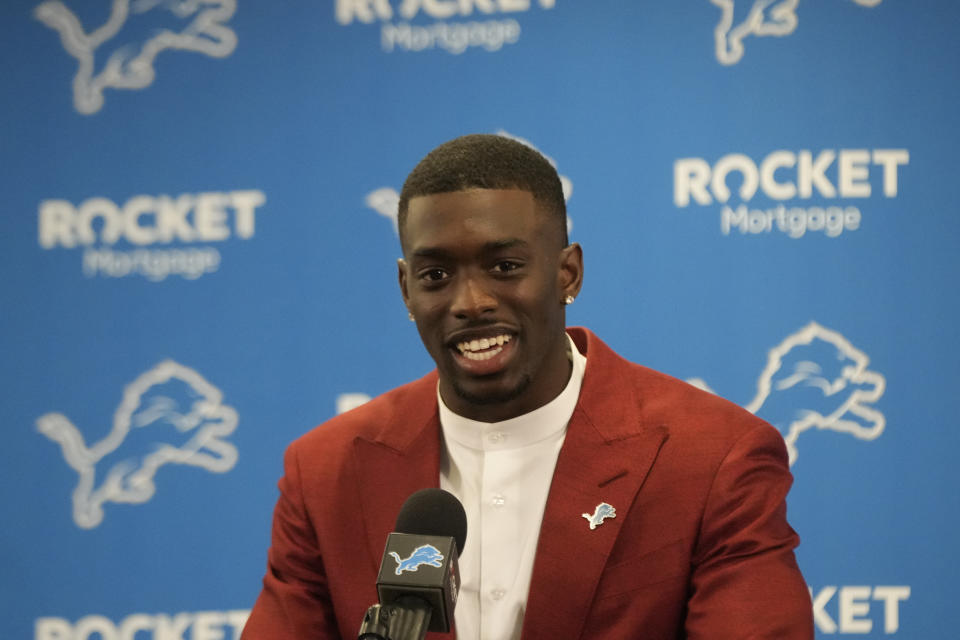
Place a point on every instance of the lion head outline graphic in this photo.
(168, 415)
(816, 379)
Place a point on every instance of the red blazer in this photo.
(699, 548)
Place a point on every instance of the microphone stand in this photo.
(407, 619)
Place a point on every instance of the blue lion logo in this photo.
(424, 554)
(600, 512)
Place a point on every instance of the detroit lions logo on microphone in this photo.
(424, 554)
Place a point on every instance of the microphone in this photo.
(419, 577)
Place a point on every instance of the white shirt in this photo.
(501, 472)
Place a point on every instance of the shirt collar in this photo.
(523, 430)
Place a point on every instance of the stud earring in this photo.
(410, 315)
(568, 300)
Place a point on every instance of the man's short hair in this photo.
(485, 161)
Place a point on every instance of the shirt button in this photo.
(497, 437)
(498, 500)
(497, 594)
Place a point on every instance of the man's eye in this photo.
(433, 275)
(506, 265)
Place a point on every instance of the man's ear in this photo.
(402, 279)
(570, 272)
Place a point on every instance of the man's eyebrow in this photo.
(435, 253)
(509, 243)
(489, 247)
(439, 253)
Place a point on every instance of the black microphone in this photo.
(419, 577)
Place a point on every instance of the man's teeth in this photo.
(477, 349)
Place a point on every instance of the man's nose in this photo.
(472, 299)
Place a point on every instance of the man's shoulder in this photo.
(405, 406)
(672, 401)
(660, 398)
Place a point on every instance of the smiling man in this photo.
(603, 499)
(486, 276)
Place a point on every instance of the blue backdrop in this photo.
(199, 250)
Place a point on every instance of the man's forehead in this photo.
(470, 212)
(472, 194)
(477, 215)
(453, 207)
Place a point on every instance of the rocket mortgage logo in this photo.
(796, 193)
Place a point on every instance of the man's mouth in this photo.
(482, 348)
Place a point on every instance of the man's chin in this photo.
(494, 394)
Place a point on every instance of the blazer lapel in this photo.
(402, 459)
(606, 456)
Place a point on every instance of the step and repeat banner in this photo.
(199, 265)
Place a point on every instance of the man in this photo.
(603, 499)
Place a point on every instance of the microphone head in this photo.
(434, 512)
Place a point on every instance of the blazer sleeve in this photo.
(745, 582)
(295, 601)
